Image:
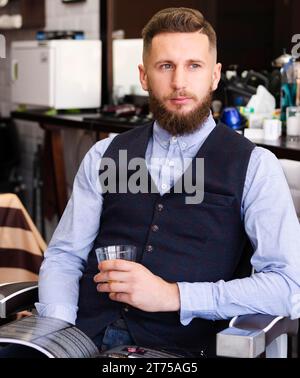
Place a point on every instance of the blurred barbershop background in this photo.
(69, 77)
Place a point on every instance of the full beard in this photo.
(179, 124)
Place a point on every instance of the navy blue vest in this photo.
(190, 243)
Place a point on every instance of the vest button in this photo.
(149, 248)
(160, 207)
(126, 309)
(155, 228)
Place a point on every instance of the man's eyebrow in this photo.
(163, 61)
(196, 61)
(167, 61)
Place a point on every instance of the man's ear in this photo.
(216, 76)
(143, 77)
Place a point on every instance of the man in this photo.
(193, 265)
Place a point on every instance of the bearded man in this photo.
(193, 260)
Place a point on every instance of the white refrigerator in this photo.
(59, 74)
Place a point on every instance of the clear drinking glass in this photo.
(113, 252)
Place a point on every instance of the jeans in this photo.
(114, 335)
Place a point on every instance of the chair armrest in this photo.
(249, 335)
(17, 296)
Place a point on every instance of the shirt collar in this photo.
(164, 138)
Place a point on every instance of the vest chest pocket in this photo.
(214, 199)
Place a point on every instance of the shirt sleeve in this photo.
(67, 253)
(273, 228)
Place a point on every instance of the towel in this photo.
(21, 245)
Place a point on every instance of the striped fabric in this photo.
(21, 245)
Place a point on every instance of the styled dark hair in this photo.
(178, 20)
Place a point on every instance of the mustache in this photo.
(180, 94)
(180, 124)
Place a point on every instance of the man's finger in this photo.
(121, 265)
(111, 276)
(120, 297)
(113, 287)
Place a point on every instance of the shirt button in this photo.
(160, 207)
(171, 163)
(155, 228)
(149, 248)
(164, 186)
(184, 145)
(174, 139)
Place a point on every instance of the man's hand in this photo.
(132, 283)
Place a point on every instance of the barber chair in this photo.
(255, 335)
(248, 336)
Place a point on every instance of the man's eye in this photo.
(166, 66)
(194, 66)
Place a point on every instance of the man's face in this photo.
(180, 72)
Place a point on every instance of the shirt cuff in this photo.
(58, 311)
(196, 301)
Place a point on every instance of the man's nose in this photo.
(179, 78)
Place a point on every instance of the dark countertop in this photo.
(95, 122)
(282, 148)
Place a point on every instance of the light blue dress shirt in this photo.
(267, 211)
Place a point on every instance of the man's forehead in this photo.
(190, 46)
(180, 42)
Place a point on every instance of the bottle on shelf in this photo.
(288, 88)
